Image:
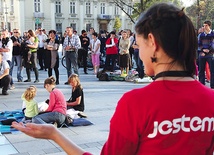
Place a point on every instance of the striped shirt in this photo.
(206, 41)
(74, 41)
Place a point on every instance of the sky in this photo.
(188, 3)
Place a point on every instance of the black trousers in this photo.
(5, 82)
(110, 62)
(56, 69)
(82, 57)
(41, 57)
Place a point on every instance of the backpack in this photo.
(102, 76)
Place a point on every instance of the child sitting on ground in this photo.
(30, 107)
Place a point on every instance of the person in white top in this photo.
(6, 48)
(4, 75)
(41, 52)
(95, 49)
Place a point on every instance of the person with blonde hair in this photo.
(75, 104)
(30, 106)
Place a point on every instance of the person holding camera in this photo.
(71, 45)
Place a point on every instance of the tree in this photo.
(117, 24)
(137, 7)
(203, 9)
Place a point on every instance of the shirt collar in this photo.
(208, 32)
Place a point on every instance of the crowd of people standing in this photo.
(36, 48)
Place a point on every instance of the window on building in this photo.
(116, 11)
(88, 7)
(73, 25)
(11, 6)
(58, 7)
(37, 5)
(88, 26)
(72, 7)
(59, 27)
(102, 8)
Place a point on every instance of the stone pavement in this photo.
(100, 102)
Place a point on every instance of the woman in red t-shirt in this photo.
(161, 118)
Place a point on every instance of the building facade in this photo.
(58, 14)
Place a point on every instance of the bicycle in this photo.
(89, 62)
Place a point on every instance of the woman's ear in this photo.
(152, 41)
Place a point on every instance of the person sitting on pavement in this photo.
(56, 111)
(75, 104)
(30, 107)
(5, 78)
(160, 118)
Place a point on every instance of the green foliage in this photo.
(117, 24)
(139, 7)
(200, 11)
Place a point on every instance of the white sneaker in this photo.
(12, 87)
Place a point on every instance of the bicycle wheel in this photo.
(63, 61)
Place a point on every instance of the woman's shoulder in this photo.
(79, 88)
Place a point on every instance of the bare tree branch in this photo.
(118, 4)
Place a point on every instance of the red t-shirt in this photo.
(165, 117)
(114, 49)
(57, 102)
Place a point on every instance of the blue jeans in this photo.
(18, 59)
(202, 64)
(49, 117)
(71, 61)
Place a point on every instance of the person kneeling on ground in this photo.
(56, 111)
(75, 104)
(4, 75)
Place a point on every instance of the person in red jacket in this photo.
(111, 52)
(161, 118)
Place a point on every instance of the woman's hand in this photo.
(43, 131)
(48, 131)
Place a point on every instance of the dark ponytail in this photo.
(173, 31)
